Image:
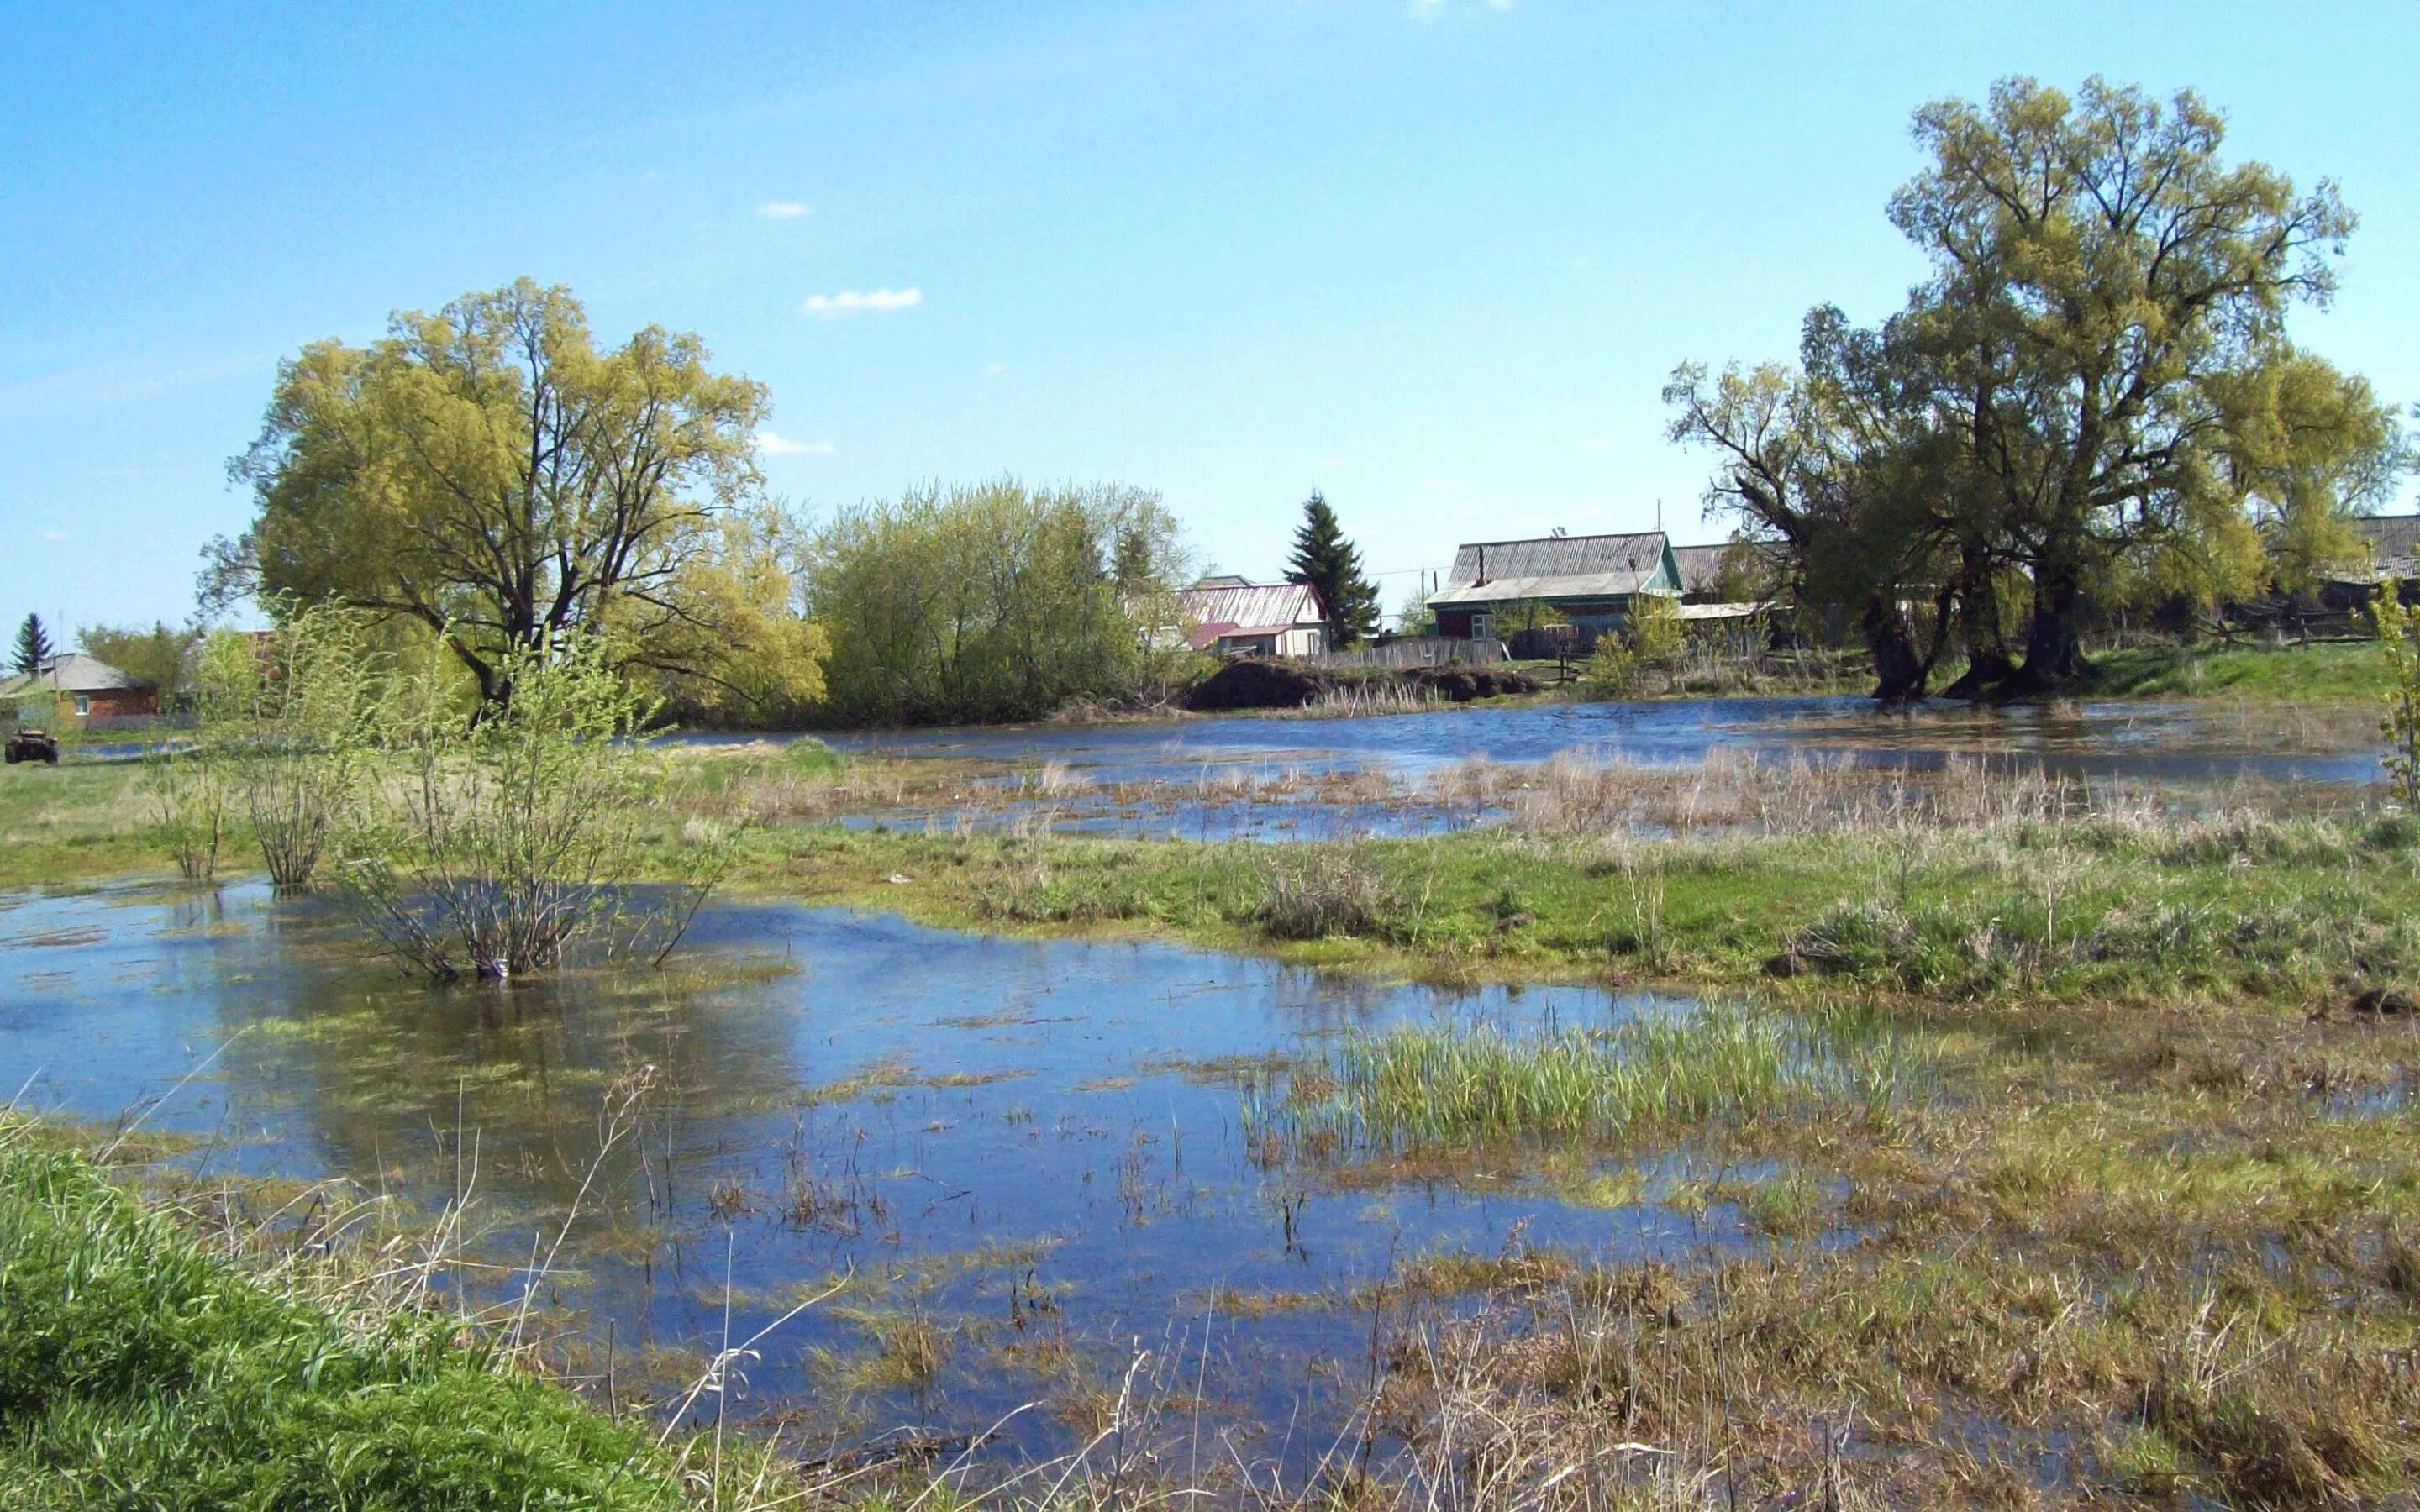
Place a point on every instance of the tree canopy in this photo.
(2090, 397)
(157, 656)
(993, 601)
(491, 474)
(33, 646)
(1332, 566)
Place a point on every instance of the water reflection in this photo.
(2097, 739)
(1031, 1146)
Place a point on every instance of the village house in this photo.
(1237, 617)
(72, 691)
(1589, 580)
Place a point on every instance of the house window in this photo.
(1482, 627)
(83, 704)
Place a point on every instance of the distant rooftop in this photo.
(1553, 566)
(1229, 605)
(72, 673)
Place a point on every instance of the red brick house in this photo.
(78, 690)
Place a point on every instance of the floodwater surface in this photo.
(1020, 1161)
(2114, 739)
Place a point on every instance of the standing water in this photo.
(1013, 1162)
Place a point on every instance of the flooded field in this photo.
(1012, 1163)
(1270, 778)
(2116, 739)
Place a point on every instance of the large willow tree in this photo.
(2090, 396)
(995, 601)
(489, 473)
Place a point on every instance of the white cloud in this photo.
(1597, 443)
(55, 535)
(862, 302)
(782, 210)
(1425, 11)
(773, 445)
(1434, 485)
(994, 369)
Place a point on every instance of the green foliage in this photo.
(1332, 566)
(284, 724)
(2313, 449)
(993, 602)
(488, 472)
(33, 645)
(1648, 642)
(2094, 387)
(1654, 630)
(156, 657)
(2398, 646)
(494, 839)
(138, 1370)
(188, 799)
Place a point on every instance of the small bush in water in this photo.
(497, 837)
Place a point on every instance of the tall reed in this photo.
(1414, 1087)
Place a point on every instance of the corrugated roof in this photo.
(1702, 566)
(2394, 542)
(1555, 566)
(1217, 607)
(73, 672)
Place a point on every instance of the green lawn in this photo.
(2330, 672)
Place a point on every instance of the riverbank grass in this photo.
(139, 1369)
(2335, 671)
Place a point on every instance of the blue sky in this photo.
(1435, 259)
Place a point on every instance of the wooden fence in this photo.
(1418, 651)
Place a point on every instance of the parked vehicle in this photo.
(31, 745)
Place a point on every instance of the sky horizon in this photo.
(1432, 258)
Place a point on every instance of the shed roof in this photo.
(2394, 542)
(1230, 606)
(1554, 566)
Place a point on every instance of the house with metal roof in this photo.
(2394, 545)
(1711, 574)
(1588, 579)
(72, 689)
(1237, 617)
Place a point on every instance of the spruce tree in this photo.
(1332, 566)
(33, 645)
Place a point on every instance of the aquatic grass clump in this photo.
(1418, 1087)
(138, 1369)
(1311, 891)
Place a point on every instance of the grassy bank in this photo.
(2143, 906)
(2327, 672)
(138, 1368)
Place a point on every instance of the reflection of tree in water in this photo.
(383, 1069)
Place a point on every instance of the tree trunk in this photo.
(2054, 643)
(1899, 673)
(1988, 662)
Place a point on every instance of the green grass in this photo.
(2335, 671)
(77, 819)
(2305, 911)
(139, 1370)
(1415, 1088)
